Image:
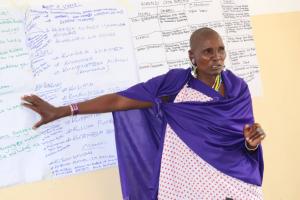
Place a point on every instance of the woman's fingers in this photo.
(258, 134)
(47, 111)
(30, 106)
(254, 134)
(256, 139)
(35, 103)
(30, 99)
(38, 124)
(247, 131)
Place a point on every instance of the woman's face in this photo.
(208, 54)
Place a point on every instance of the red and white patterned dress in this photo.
(186, 176)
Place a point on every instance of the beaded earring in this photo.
(194, 68)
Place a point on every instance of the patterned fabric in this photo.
(186, 176)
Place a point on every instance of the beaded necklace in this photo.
(218, 81)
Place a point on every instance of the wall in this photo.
(259, 7)
(277, 39)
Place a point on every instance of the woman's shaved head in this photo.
(200, 34)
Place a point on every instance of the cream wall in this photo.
(277, 38)
(259, 7)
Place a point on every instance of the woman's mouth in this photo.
(217, 67)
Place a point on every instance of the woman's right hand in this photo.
(47, 111)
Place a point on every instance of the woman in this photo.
(188, 134)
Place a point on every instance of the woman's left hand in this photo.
(253, 134)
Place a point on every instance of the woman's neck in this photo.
(211, 82)
(208, 80)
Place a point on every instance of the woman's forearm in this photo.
(103, 104)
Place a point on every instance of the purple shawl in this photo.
(213, 130)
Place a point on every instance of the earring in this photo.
(194, 68)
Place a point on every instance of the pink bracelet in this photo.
(74, 109)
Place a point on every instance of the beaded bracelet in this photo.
(74, 109)
(250, 149)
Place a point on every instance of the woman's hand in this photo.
(47, 111)
(253, 134)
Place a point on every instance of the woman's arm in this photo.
(101, 104)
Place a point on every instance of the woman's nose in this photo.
(217, 55)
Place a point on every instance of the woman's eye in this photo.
(221, 49)
(208, 51)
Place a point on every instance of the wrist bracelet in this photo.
(250, 149)
(74, 109)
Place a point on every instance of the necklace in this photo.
(218, 81)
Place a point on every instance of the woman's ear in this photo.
(193, 61)
(191, 56)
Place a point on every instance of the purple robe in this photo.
(213, 130)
